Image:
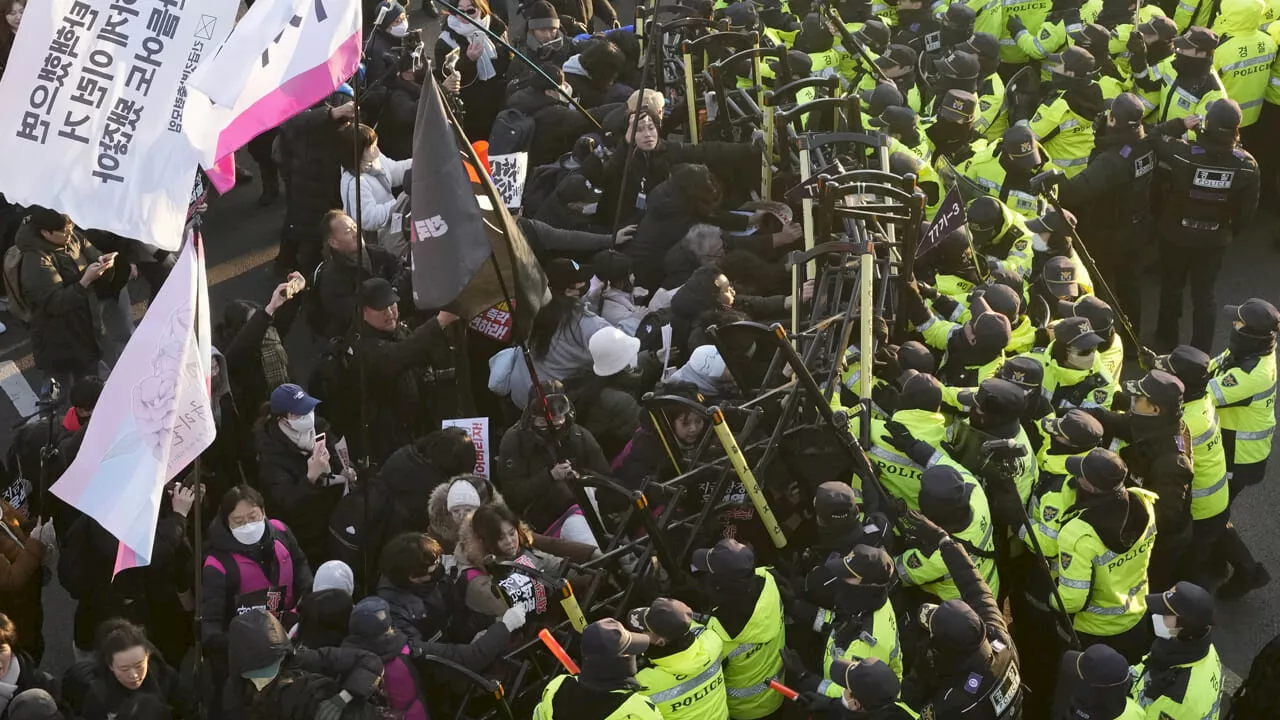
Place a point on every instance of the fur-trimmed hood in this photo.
(442, 527)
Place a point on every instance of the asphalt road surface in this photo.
(241, 238)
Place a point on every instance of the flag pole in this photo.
(498, 39)
(198, 530)
(362, 462)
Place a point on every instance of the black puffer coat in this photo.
(310, 148)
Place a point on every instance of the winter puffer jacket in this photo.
(310, 148)
(525, 459)
(281, 567)
(302, 505)
(64, 334)
(442, 526)
(106, 695)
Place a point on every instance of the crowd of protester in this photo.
(354, 564)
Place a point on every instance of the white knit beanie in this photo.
(334, 574)
(461, 493)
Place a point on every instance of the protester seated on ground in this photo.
(251, 338)
(705, 371)
(618, 295)
(556, 123)
(406, 677)
(544, 43)
(269, 678)
(606, 401)
(19, 672)
(708, 290)
(593, 73)
(482, 64)
(299, 469)
(495, 530)
(541, 455)
(561, 330)
(452, 502)
(701, 246)
(250, 561)
(323, 612)
(381, 215)
(574, 205)
(337, 279)
(129, 665)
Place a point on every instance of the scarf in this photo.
(484, 64)
(275, 361)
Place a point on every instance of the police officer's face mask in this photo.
(1080, 361)
(1187, 66)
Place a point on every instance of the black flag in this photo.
(950, 217)
(460, 222)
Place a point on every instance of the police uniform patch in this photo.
(1100, 396)
(1064, 560)
(1230, 381)
(1020, 245)
(1050, 513)
(913, 561)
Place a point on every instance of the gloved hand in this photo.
(945, 305)
(794, 666)
(1147, 358)
(815, 702)
(913, 305)
(901, 439)
(1137, 48)
(927, 291)
(331, 709)
(584, 147)
(920, 532)
(1015, 25)
(514, 618)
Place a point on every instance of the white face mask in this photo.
(590, 208)
(399, 30)
(304, 424)
(1162, 630)
(1080, 361)
(249, 533)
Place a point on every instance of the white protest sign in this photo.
(94, 98)
(509, 173)
(479, 429)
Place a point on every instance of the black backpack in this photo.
(331, 383)
(541, 185)
(512, 132)
(1258, 697)
(649, 332)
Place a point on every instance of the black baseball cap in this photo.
(1019, 144)
(1060, 275)
(883, 96)
(959, 65)
(873, 33)
(1099, 468)
(563, 273)
(953, 626)
(944, 497)
(834, 501)
(1260, 318)
(1187, 363)
(1192, 604)
(1077, 427)
(608, 638)
(872, 565)
(667, 618)
(897, 61)
(1004, 300)
(1057, 223)
(959, 15)
(1092, 37)
(981, 44)
(1025, 372)
(377, 294)
(577, 188)
(919, 391)
(1090, 307)
(985, 213)
(1158, 386)
(1076, 333)
(1197, 41)
(1073, 61)
(990, 328)
(1223, 114)
(86, 391)
(914, 355)
(871, 682)
(1160, 28)
(1098, 665)
(897, 118)
(958, 106)
(1127, 110)
(728, 558)
(1000, 398)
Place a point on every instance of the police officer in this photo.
(901, 124)
(1057, 280)
(1240, 58)
(1111, 198)
(1074, 434)
(1193, 85)
(899, 65)
(954, 70)
(1000, 235)
(748, 618)
(1104, 550)
(973, 350)
(1097, 40)
(1209, 493)
(1064, 120)
(1094, 684)
(969, 668)
(1028, 374)
(1214, 185)
(1182, 676)
(1028, 14)
(1156, 446)
(606, 687)
(1049, 36)
(918, 29)
(985, 45)
(960, 508)
(1053, 238)
(1102, 319)
(840, 524)
(870, 692)
(951, 131)
(683, 677)
(1004, 171)
(1244, 390)
(1074, 373)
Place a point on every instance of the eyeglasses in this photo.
(472, 11)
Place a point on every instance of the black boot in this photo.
(1243, 582)
(270, 194)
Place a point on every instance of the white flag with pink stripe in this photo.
(283, 57)
(153, 418)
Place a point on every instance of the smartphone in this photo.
(320, 438)
(108, 258)
(294, 286)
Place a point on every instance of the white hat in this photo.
(706, 361)
(613, 351)
(334, 574)
(461, 493)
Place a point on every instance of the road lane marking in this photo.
(18, 389)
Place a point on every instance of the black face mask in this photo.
(945, 83)
(1191, 67)
(953, 36)
(945, 132)
(905, 83)
(852, 600)
(1243, 346)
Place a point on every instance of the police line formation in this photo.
(917, 484)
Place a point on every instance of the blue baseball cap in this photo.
(292, 399)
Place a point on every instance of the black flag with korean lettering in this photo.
(462, 234)
(950, 217)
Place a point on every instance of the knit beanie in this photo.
(461, 493)
(542, 15)
(334, 574)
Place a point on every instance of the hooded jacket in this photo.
(556, 124)
(525, 459)
(1242, 53)
(64, 334)
(322, 618)
(442, 526)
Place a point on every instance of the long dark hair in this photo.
(7, 36)
(562, 310)
(697, 186)
(487, 523)
(354, 141)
